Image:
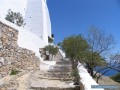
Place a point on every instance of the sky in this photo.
(77, 16)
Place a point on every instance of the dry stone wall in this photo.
(12, 56)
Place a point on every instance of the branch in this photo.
(101, 75)
(114, 68)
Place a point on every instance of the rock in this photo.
(9, 63)
(0, 42)
(4, 36)
(1, 65)
(1, 82)
(0, 76)
(1, 46)
(0, 32)
(4, 74)
(2, 60)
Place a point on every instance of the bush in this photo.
(116, 77)
(52, 50)
(14, 72)
(50, 40)
(76, 76)
(15, 17)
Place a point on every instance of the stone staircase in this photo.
(57, 78)
(60, 70)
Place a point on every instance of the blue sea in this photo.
(109, 73)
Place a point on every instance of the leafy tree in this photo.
(15, 17)
(93, 59)
(52, 50)
(75, 47)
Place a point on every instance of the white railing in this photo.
(62, 53)
(86, 79)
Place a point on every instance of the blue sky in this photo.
(77, 16)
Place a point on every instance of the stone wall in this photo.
(12, 56)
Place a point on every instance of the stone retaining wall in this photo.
(12, 56)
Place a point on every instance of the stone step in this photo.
(59, 65)
(64, 62)
(50, 84)
(58, 75)
(61, 68)
(60, 71)
(52, 88)
(55, 78)
(49, 72)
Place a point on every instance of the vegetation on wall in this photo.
(50, 40)
(52, 50)
(15, 17)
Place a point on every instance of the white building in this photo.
(37, 19)
(35, 33)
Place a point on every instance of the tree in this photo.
(112, 64)
(93, 59)
(15, 17)
(100, 44)
(99, 41)
(52, 50)
(74, 47)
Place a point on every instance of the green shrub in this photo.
(15, 17)
(14, 72)
(50, 40)
(76, 76)
(116, 77)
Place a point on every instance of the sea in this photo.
(109, 73)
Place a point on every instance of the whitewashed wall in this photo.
(48, 21)
(38, 26)
(37, 19)
(14, 5)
